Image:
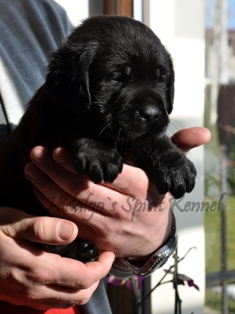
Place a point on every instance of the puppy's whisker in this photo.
(118, 141)
(173, 127)
(105, 128)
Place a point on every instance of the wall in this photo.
(77, 10)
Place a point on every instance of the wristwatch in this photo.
(155, 261)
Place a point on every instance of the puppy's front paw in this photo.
(177, 177)
(99, 162)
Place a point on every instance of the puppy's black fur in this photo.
(107, 98)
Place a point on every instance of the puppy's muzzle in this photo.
(150, 108)
(149, 112)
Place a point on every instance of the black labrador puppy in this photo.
(107, 98)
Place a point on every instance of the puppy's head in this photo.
(116, 69)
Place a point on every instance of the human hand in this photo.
(37, 279)
(127, 217)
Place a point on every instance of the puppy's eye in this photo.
(127, 70)
(160, 75)
(123, 75)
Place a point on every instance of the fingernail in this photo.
(65, 230)
(37, 154)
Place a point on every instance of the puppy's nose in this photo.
(149, 112)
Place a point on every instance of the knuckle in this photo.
(38, 229)
(38, 276)
(86, 283)
(86, 295)
(83, 300)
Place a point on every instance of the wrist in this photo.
(161, 236)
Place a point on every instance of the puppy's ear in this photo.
(68, 77)
(170, 93)
(171, 96)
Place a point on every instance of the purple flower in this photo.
(127, 281)
(183, 278)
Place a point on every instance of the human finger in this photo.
(127, 182)
(192, 137)
(18, 224)
(57, 183)
(72, 274)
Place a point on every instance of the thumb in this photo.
(192, 137)
(49, 230)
